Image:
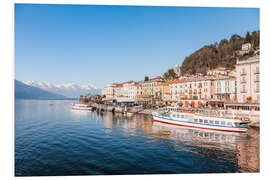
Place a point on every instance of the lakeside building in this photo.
(225, 88)
(109, 91)
(248, 89)
(148, 86)
(127, 87)
(248, 80)
(118, 90)
(217, 71)
(160, 89)
(193, 91)
(237, 90)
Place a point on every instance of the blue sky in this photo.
(104, 44)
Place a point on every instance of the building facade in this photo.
(248, 80)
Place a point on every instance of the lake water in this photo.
(52, 139)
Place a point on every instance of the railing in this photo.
(243, 73)
(256, 80)
(243, 81)
(256, 72)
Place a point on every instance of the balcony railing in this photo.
(243, 81)
(256, 72)
(256, 80)
(243, 91)
(243, 73)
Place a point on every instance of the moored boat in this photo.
(77, 106)
(202, 121)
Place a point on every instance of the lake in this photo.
(51, 139)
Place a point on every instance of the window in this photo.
(244, 98)
(211, 121)
(205, 121)
(201, 121)
(257, 77)
(244, 88)
(257, 87)
(229, 123)
(258, 97)
(216, 122)
(243, 71)
(257, 108)
(195, 120)
(257, 69)
(177, 116)
(222, 123)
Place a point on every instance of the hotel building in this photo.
(248, 80)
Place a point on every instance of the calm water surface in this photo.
(52, 139)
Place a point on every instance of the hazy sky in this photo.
(104, 44)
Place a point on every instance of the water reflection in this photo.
(241, 149)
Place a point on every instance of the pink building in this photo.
(248, 80)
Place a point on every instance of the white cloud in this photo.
(66, 89)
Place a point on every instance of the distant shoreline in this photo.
(46, 99)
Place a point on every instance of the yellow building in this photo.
(149, 86)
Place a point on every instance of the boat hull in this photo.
(82, 108)
(185, 123)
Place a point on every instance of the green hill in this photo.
(219, 54)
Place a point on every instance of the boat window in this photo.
(216, 122)
(201, 120)
(173, 115)
(183, 116)
(222, 122)
(211, 121)
(229, 123)
(195, 120)
(177, 116)
(205, 121)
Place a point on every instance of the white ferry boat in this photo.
(76, 106)
(198, 120)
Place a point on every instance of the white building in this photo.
(217, 71)
(246, 47)
(109, 91)
(225, 88)
(248, 79)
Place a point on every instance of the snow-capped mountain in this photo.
(68, 89)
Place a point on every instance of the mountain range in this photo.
(23, 91)
(70, 90)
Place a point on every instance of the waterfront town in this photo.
(236, 90)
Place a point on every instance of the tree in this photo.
(166, 75)
(171, 73)
(249, 98)
(248, 37)
(146, 78)
(234, 38)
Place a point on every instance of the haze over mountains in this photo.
(70, 90)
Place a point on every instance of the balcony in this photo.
(243, 81)
(256, 72)
(243, 91)
(243, 73)
(256, 80)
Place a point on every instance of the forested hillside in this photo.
(220, 54)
